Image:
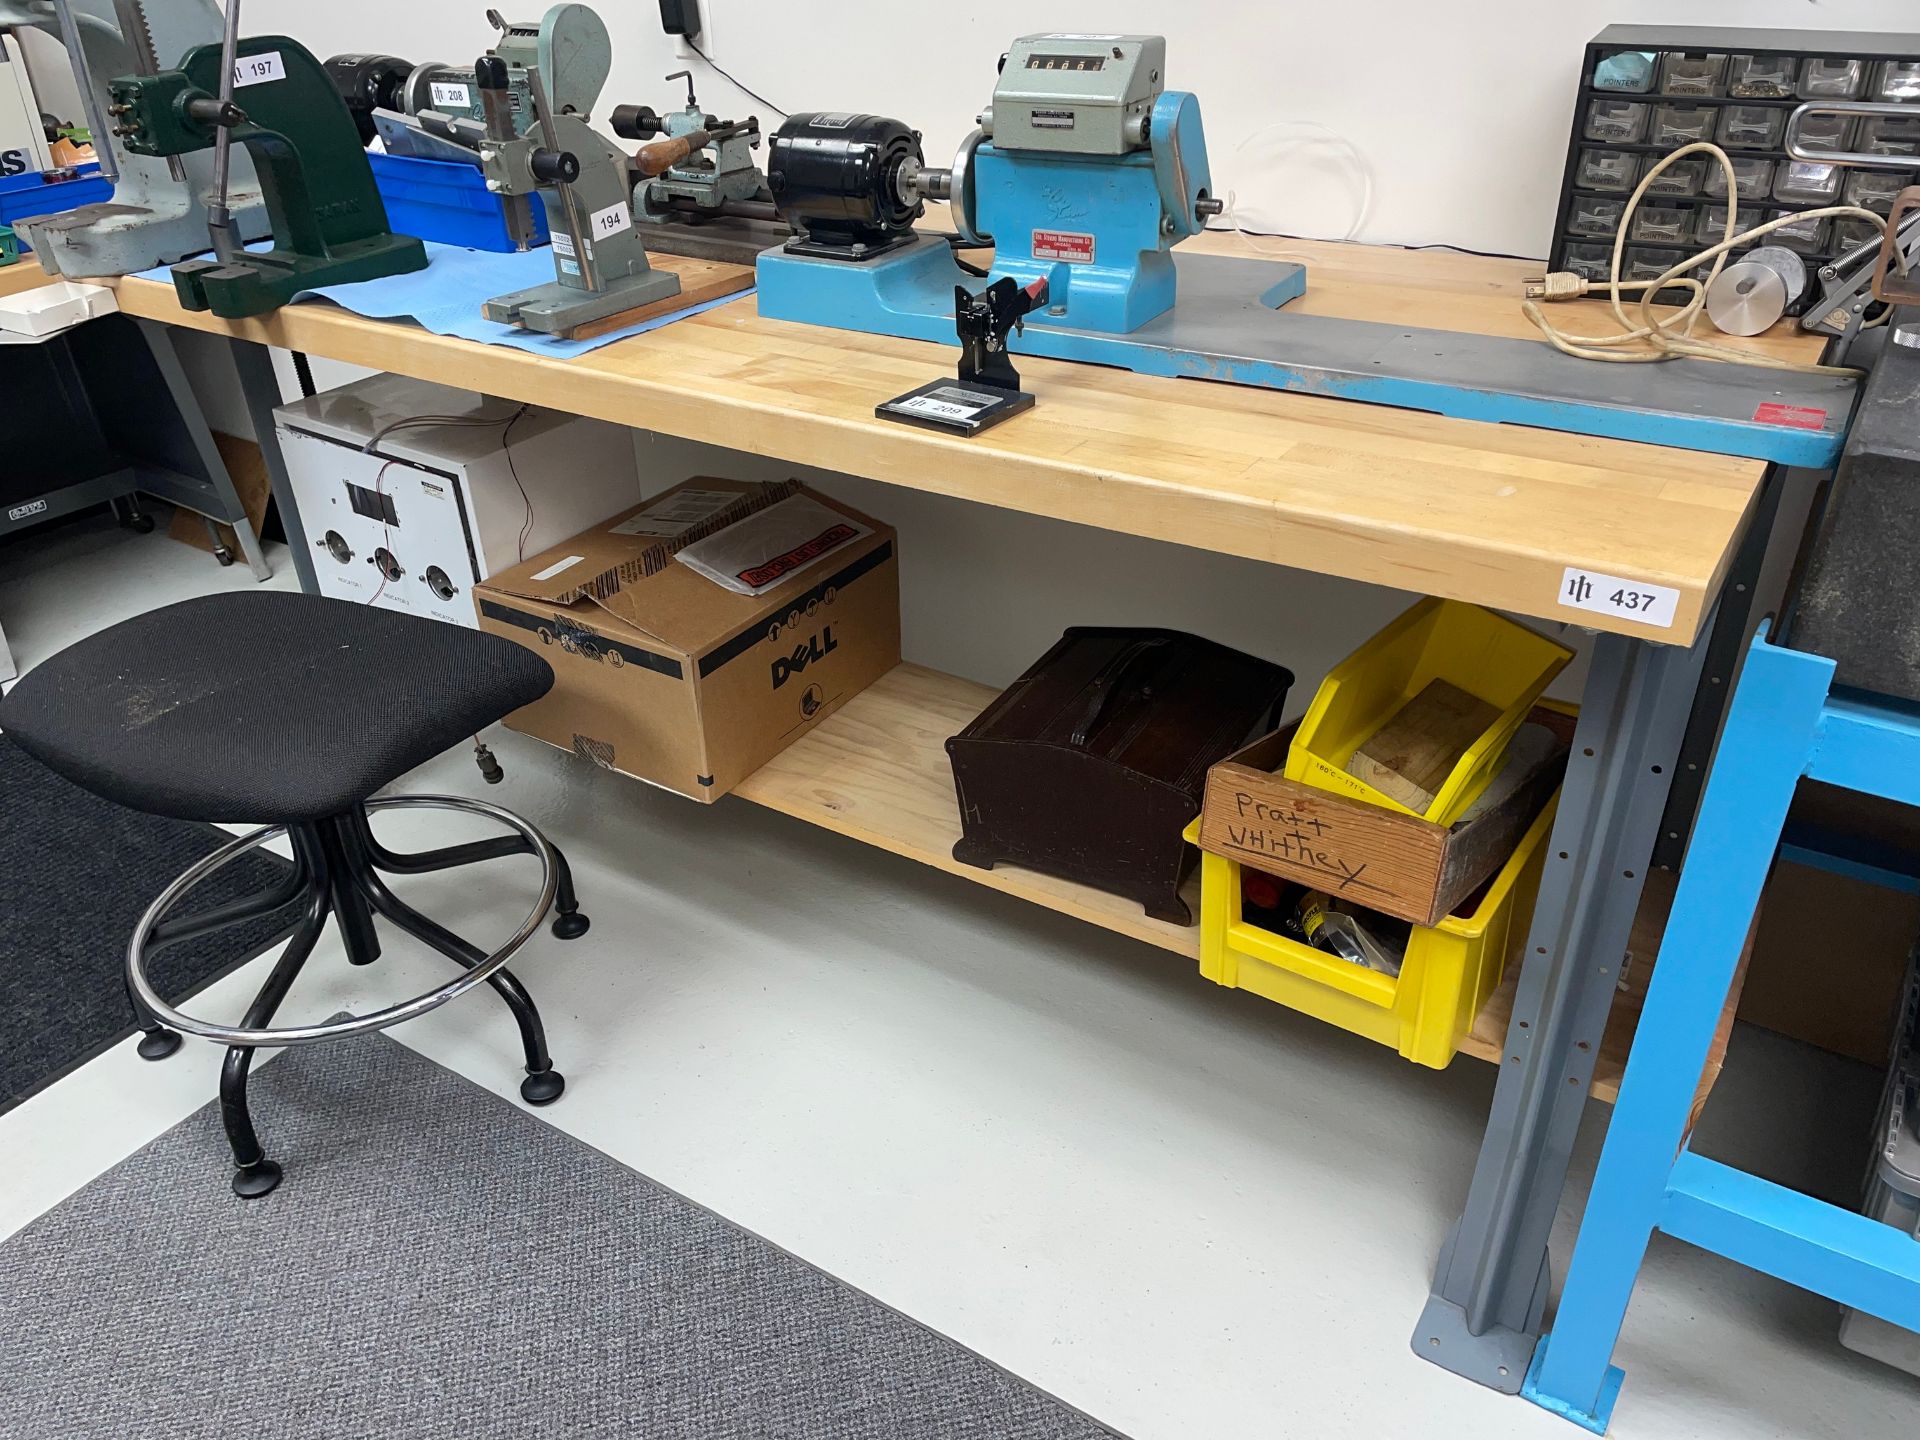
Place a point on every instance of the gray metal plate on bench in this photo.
(1221, 329)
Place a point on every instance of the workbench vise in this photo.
(329, 224)
(1084, 173)
(710, 180)
(158, 213)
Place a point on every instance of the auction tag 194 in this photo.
(610, 221)
(1639, 600)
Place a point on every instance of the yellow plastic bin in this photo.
(1488, 656)
(1449, 971)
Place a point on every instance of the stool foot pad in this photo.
(571, 926)
(543, 1087)
(159, 1043)
(250, 1182)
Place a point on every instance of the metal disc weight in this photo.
(1750, 295)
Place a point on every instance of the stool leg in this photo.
(350, 911)
(254, 1175)
(568, 922)
(543, 1084)
(157, 1042)
(235, 912)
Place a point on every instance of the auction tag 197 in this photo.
(258, 69)
(1639, 600)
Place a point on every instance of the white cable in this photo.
(1659, 337)
(1356, 168)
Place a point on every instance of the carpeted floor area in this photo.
(76, 872)
(440, 1263)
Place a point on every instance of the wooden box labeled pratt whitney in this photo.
(1398, 864)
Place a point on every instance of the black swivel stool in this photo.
(290, 712)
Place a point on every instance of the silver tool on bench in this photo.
(1874, 272)
(584, 180)
(160, 207)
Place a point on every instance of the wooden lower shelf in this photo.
(877, 770)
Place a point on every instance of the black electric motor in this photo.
(843, 182)
(369, 83)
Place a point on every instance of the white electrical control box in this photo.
(411, 492)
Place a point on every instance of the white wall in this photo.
(1460, 107)
(1460, 110)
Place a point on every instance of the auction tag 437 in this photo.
(1639, 600)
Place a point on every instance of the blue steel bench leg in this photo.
(1771, 729)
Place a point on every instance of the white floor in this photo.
(1188, 1212)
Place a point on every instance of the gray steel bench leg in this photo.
(261, 388)
(160, 340)
(1490, 1289)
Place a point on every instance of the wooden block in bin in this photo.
(1397, 864)
(1410, 757)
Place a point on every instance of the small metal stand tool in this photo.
(268, 93)
(988, 389)
(1876, 273)
(586, 183)
(159, 210)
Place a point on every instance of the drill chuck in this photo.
(369, 83)
(637, 122)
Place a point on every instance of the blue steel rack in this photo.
(1786, 723)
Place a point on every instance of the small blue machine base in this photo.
(1787, 723)
(1596, 1419)
(1228, 324)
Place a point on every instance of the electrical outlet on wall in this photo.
(688, 24)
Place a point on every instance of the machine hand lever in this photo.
(555, 166)
(663, 155)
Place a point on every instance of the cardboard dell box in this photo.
(662, 673)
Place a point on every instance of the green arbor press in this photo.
(329, 223)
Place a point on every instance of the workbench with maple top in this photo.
(1536, 522)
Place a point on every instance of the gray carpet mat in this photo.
(76, 872)
(441, 1263)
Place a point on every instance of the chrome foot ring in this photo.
(392, 1015)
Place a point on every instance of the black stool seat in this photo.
(263, 708)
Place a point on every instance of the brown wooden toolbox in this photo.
(1397, 864)
(1090, 764)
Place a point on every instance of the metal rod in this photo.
(219, 216)
(549, 137)
(89, 95)
(1797, 148)
(735, 209)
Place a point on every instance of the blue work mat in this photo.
(447, 295)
